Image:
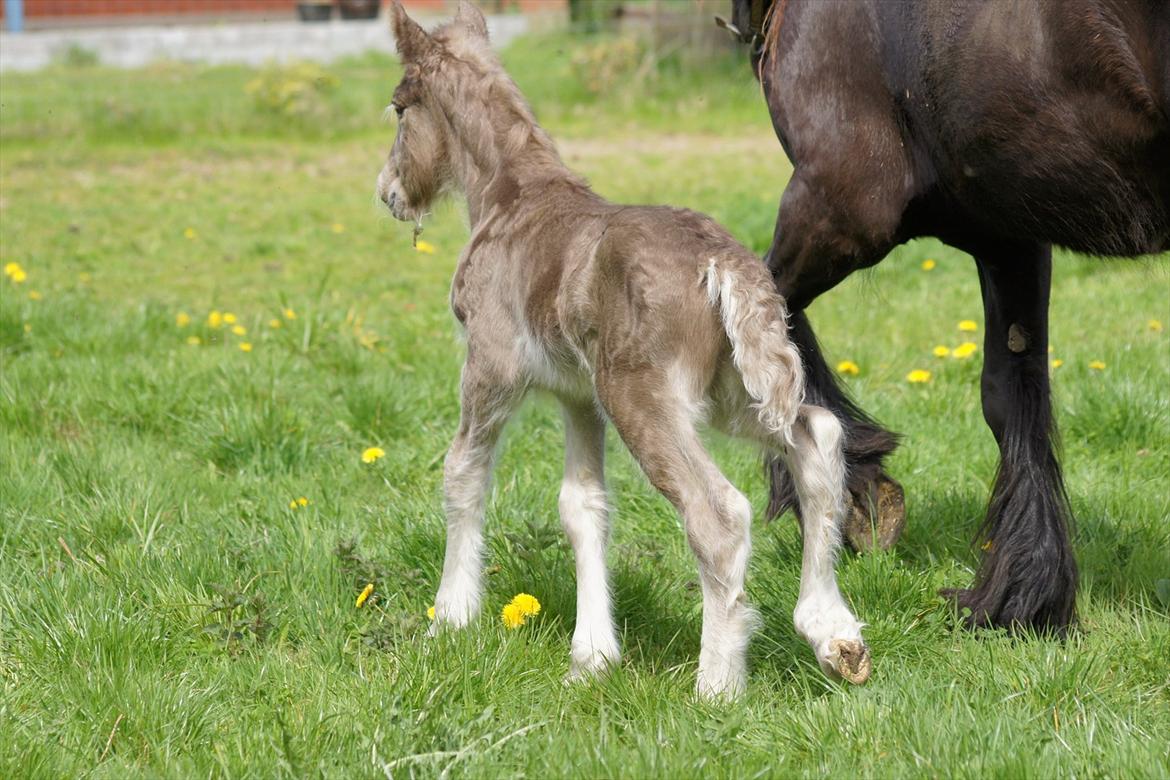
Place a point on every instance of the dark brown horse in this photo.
(1002, 127)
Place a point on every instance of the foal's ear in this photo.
(410, 38)
(470, 17)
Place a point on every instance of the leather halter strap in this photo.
(754, 34)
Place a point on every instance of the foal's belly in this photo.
(557, 370)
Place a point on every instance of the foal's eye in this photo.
(399, 109)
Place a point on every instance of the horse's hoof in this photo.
(888, 512)
(851, 660)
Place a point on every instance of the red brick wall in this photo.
(34, 8)
(44, 8)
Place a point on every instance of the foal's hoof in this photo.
(851, 660)
(886, 505)
(588, 664)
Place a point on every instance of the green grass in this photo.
(163, 612)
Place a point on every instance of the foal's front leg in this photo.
(487, 402)
(584, 515)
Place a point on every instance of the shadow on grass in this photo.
(658, 604)
(1119, 557)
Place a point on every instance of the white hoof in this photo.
(835, 636)
(849, 659)
(717, 688)
(587, 663)
(451, 616)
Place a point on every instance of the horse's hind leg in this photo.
(817, 244)
(654, 420)
(584, 515)
(843, 209)
(822, 617)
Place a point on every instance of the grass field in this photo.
(168, 609)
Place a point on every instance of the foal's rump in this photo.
(672, 285)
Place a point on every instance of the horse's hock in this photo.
(877, 522)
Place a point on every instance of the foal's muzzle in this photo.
(390, 192)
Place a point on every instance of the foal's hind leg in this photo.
(487, 401)
(822, 617)
(655, 424)
(584, 515)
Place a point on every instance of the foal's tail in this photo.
(756, 321)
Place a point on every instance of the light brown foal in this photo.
(648, 316)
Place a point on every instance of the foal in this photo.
(652, 317)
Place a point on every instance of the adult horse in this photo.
(1001, 127)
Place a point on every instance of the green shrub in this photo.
(298, 90)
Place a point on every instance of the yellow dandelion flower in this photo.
(928, 264)
(1097, 365)
(848, 367)
(302, 501)
(239, 330)
(431, 612)
(527, 604)
(11, 268)
(968, 326)
(289, 314)
(426, 247)
(918, 376)
(215, 319)
(292, 504)
(182, 319)
(229, 318)
(245, 346)
(337, 227)
(964, 350)
(194, 341)
(365, 594)
(1155, 325)
(941, 351)
(189, 234)
(34, 295)
(1057, 363)
(274, 323)
(371, 454)
(512, 616)
(18, 275)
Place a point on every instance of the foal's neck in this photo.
(500, 149)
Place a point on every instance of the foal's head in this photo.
(438, 68)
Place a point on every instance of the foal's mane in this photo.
(501, 123)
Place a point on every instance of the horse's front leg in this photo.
(1028, 576)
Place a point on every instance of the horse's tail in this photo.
(756, 321)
